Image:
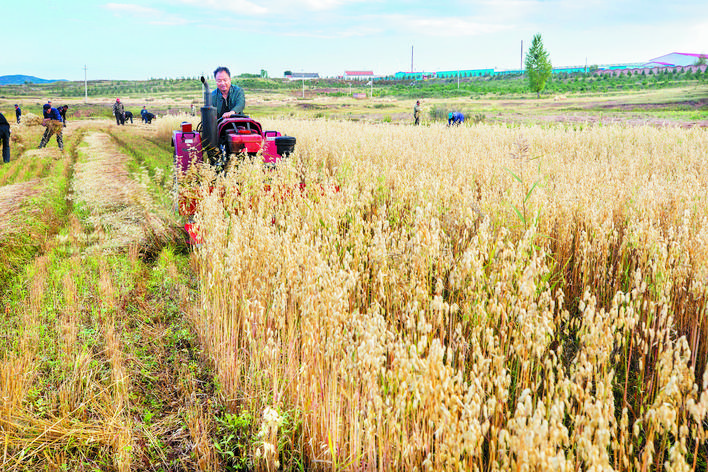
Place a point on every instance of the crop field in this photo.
(496, 296)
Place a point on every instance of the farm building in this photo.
(452, 74)
(465, 73)
(359, 75)
(303, 76)
(683, 61)
(569, 70)
(414, 75)
(675, 59)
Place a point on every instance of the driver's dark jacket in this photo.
(235, 101)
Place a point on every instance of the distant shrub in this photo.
(438, 113)
(478, 118)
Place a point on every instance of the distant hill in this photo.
(21, 79)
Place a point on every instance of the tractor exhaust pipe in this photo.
(209, 131)
(207, 93)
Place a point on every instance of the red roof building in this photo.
(358, 74)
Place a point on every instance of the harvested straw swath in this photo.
(118, 204)
(30, 119)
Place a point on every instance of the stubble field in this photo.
(489, 297)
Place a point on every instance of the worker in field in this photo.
(62, 112)
(455, 118)
(119, 111)
(54, 124)
(228, 99)
(18, 113)
(143, 112)
(5, 138)
(416, 112)
(45, 109)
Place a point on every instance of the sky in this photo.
(133, 40)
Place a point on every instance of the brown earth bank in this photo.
(699, 104)
(592, 119)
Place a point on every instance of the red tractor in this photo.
(215, 141)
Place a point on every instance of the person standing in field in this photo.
(416, 112)
(5, 138)
(18, 113)
(53, 122)
(62, 112)
(119, 111)
(143, 112)
(228, 99)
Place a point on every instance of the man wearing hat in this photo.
(18, 113)
(119, 111)
(45, 109)
(53, 122)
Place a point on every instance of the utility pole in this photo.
(521, 62)
(85, 86)
(411, 59)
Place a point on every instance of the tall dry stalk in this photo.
(118, 421)
(396, 329)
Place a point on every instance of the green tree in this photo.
(538, 65)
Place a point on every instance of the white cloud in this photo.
(242, 7)
(332, 26)
(448, 26)
(695, 39)
(548, 13)
(501, 9)
(320, 5)
(150, 15)
(271, 7)
(349, 32)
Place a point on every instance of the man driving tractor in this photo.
(222, 133)
(228, 99)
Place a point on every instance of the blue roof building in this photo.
(675, 59)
